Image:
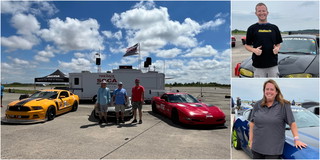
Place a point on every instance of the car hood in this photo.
(199, 108)
(29, 101)
(289, 63)
(309, 135)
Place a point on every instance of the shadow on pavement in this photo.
(186, 126)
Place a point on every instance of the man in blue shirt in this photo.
(120, 100)
(103, 100)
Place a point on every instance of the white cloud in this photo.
(16, 42)
(27, 27)
(34, 7)
(153, 28)
(79, 55)
(125, 61)
(73, 34)
(170, 53)
(45, 55)
(116, 35)
(77, 65)
(108, 34)
(206, 51)
(25, 24)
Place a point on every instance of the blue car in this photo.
(308, 127)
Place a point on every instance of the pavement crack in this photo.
(129, 140)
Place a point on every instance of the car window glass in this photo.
(305, 118)
(45, 94)
(63, 93)
(298, 45)
(246, 114)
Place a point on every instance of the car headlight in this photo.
(299, 75)
(37, 108)
(246, 72)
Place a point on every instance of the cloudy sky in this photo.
(192, 39)
(299, 89)
(287, 15)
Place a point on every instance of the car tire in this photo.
(75, 106)
(51, 113)
(235, 140)
(175, 116)
(154, 108)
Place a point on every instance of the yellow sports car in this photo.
(41, 106)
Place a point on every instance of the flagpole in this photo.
(139, 61)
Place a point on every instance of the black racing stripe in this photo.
(21, 103)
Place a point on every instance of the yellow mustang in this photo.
(41, 106)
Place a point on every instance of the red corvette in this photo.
(184, 108)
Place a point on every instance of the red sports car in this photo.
(184, 108)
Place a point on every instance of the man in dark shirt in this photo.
(263, 39)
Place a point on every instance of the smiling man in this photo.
(263, 40)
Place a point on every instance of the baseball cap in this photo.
(120, 83)
(104, 81)
(137, 80)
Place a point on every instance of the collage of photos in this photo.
(275, 80)
(149, 79)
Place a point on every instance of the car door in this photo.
(161, 106)
(245, 129)
(64, 97)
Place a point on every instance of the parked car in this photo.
(298, 58)
(311, 106)
(243, 40)
(308, 126)
(41, 106)
(233, 41)
(184, 108)
(128, 113)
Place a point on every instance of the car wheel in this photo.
(75, 106)
(154, 108)
(235, 140)
(51, 113)
(175, 116)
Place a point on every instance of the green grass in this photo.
(20, 91)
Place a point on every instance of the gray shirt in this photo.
(269, 127)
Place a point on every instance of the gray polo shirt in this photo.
(269, 127)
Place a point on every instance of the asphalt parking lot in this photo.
(77, 135)
(239, 53)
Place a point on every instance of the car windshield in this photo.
(181, 98)
(305, 118)
(45, 94)
(298, 45)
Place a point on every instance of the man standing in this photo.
(238, 103)
(137, 100)
(120, 99)
(103, 100)
(263, 40)
(2, 90)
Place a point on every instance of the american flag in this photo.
(132, 50)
